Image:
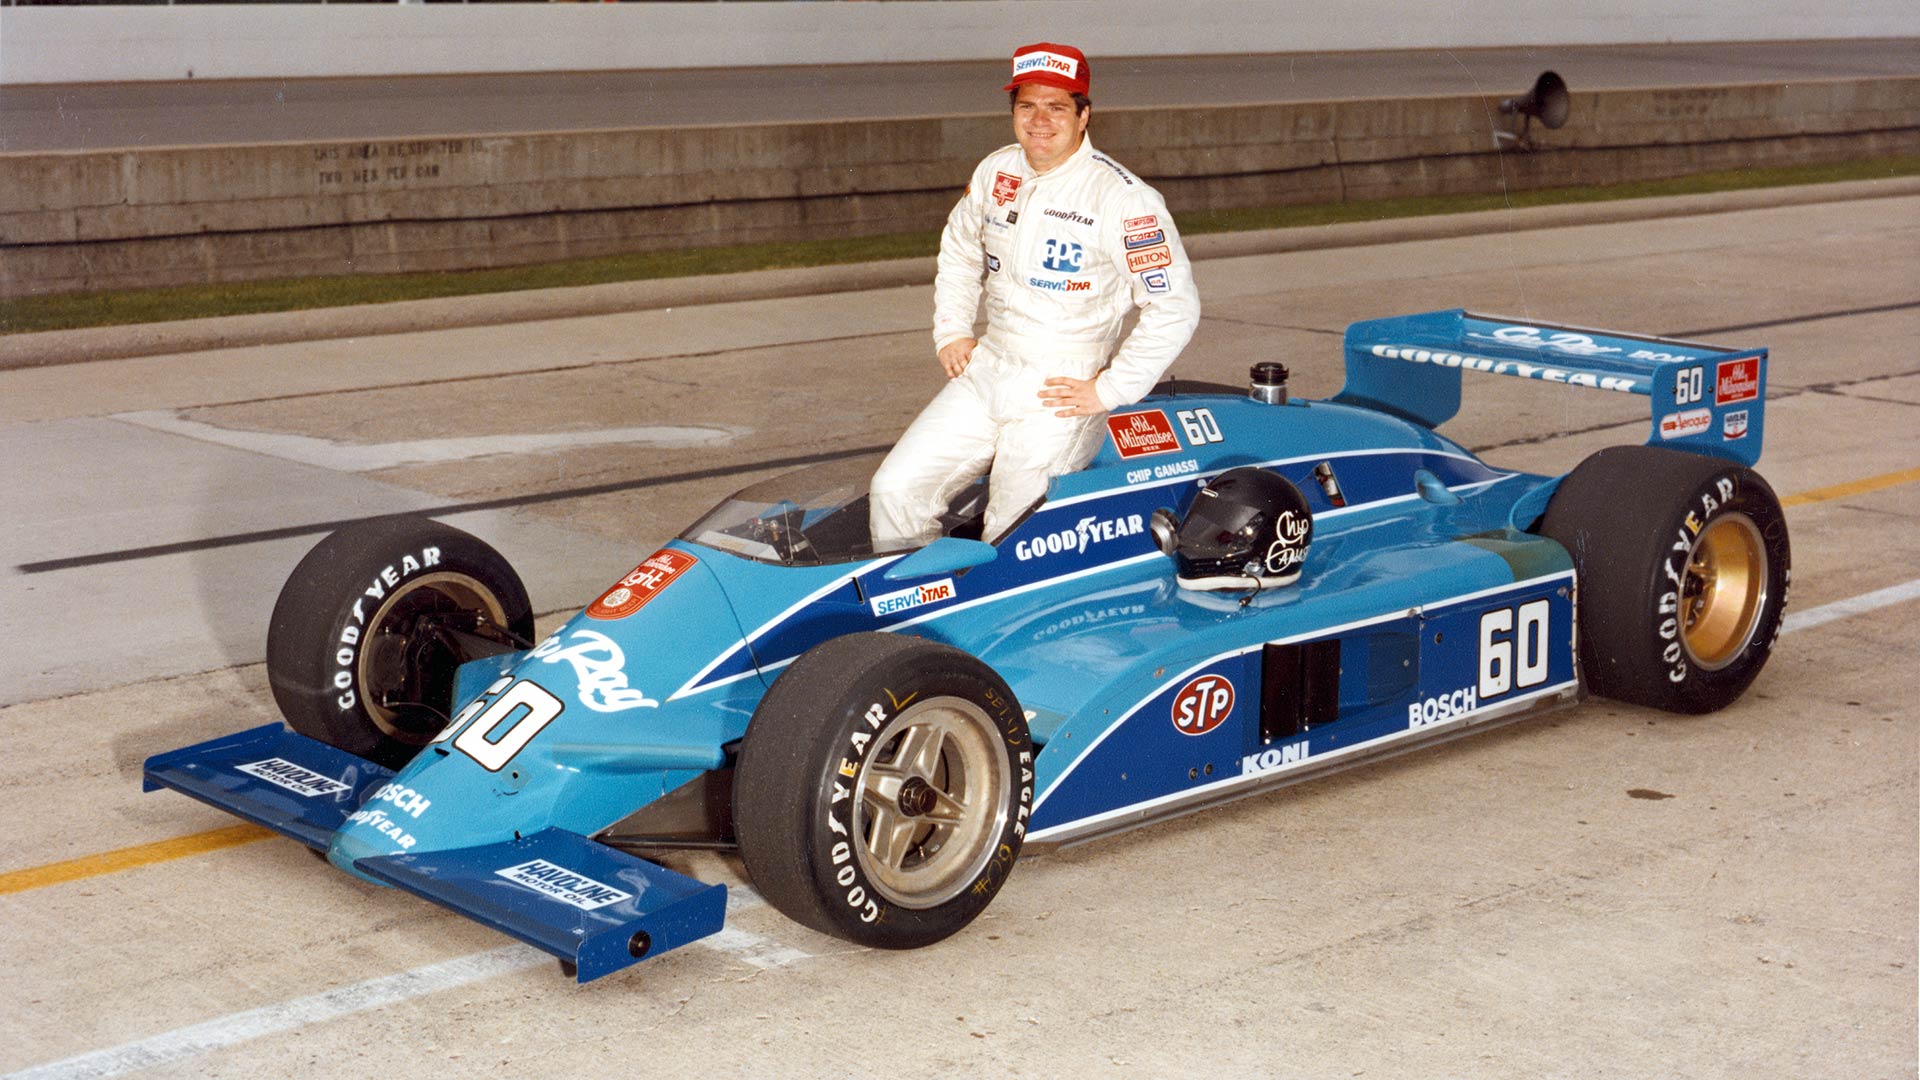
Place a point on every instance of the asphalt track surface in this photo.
(1601, 892)
(97, 116)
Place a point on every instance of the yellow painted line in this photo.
(112, 862)
(1853, 487)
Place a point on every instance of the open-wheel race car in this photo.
(1240, 590)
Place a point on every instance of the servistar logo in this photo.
(919, 596)
(1068, 285)
(1046, 61)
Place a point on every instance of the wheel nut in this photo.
(916, 797)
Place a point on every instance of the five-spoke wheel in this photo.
(883, 789)
(931, 802)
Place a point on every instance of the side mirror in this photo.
(943, 556)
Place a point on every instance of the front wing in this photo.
(596, 908)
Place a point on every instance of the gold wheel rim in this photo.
(920, 853)
(1724, 591)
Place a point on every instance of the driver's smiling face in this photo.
(1046, 125)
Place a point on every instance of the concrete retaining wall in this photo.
(116, 219)
(231, 41)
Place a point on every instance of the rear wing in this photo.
(1705, 398)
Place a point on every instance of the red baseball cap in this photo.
(1052, 65)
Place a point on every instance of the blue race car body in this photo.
(1426, 606)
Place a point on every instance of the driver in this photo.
(1066, 244)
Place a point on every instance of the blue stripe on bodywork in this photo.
(1142, 758)
(1067, 538)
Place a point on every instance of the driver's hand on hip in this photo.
(956, 355)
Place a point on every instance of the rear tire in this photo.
(370, 626)
(1683, 566)
(882, 790)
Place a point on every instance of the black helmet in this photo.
(1248, 528)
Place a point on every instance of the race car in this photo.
(1242, 589)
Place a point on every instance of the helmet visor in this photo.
(1217, 528)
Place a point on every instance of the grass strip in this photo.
(68, 311)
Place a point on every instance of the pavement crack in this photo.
(504, 503)
(551, 369)
(1273, 326)
(1555, 436)
(1792, 320)
(1875, 398)
(1837, 384)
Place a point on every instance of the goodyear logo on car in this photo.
(1090, 530)
(919, 596)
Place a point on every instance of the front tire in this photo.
(371, 624)
(883, 789)
(1683, 566)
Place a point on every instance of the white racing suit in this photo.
(1064, 258)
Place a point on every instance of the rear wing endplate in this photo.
(1708, 399)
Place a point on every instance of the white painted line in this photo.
(1082, 825)
(352, 457)
(747, 642)
(755, 949)
(745, 946)
(188, 1042)
(1272, 463)
(236, 1028)
(1853, 605)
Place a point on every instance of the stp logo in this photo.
(1202, 705)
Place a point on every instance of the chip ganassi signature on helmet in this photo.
(1248, 528)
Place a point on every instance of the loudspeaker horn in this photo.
(1547, 101)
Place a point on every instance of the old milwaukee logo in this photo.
(1737, 380)
(1141, 433)
(632, 592)
(1005, 187)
